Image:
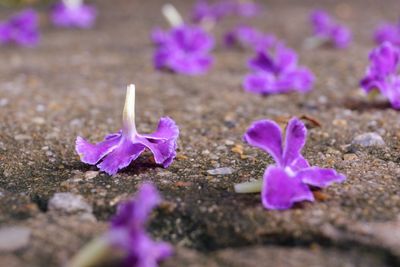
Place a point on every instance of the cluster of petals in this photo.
(21, 29)
(128, 233)
(276, 71)
(247, 36)
(183, 49)
(118, 150)
(388, 32)
(73, 14)
(383, 73)
(290, 179)
(205, 11)
(326, 28)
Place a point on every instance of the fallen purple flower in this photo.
(213, 12)
(73, 13)
(184, 49)
(119, 149)
(289, 180)
(277, 74)
(128, 233)
(21, 29)
(127, 238)
(249, 37)
(388, 33)
(382, 73)
(326, 28)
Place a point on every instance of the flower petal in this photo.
(296, 134)
(267, 135)
(320, 177)
(163, 142)
(260, 83)
(121, 156)
(93, 153)
(280, 191)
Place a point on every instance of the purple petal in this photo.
(262, 62)
(296, 134)
(392, 92)
(321, 21)
(267, 135)
(93, 153)
(121, 156)
(163, 142)
(300, 80)
(280, 191)
(320, 177)
(285, 58)
(387, 32)
(261, 83)
(135, 212)
(341, 36)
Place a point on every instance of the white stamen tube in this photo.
(172, 15)
(128, 115)
(249, 187)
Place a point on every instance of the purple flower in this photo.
(388, 33)
(22, 29)
(119, 149)
(289, 180)
(73, 13)
(128, 233)
(204, 11)
(277, 74)
(184, 49)
(382, 73)
(325, 27)
(248, 36)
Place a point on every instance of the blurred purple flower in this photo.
(184, 49)
(251, 37)
(205, 11)
(21, 29)
(388, 33)
(73, 13)
(382, 73)
(128, 231)
(277, 74)
(325, 27)
(289, 180)
(119, 149)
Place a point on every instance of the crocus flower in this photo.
(382, 73)
(250, 37)
(119, 149)
(127, 235)
(289, 180)
(278, 73)
(388, 32)
(22, 29)
(73, 13)
(204, 11)
(326, 28)
(184, 49)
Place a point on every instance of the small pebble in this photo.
(368, 140)
(69, 203)
(13, 238)
(220, 171)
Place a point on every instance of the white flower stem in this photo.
(172, 15)
(73, 3)
(128, 116)
(249, 187)
(95, 252)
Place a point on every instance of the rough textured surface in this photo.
(74, 84)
